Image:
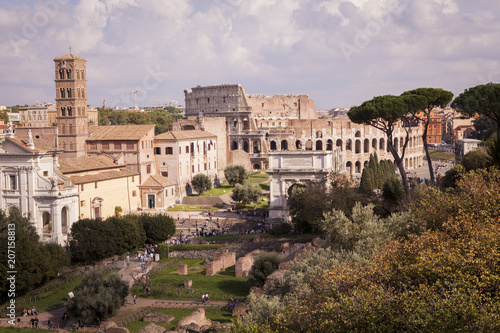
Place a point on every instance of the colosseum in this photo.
(259, 125)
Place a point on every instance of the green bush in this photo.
(281, 229)
(265, 264)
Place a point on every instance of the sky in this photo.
(339, 52)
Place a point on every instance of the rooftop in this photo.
(120, 132)
(80, 164)
(185, 135)
(69, 56)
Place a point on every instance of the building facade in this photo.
(102, 185)
(30, 180)
(180, 155)
(38, 115)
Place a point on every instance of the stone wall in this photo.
(240, 157)
(221, 261)
(244, 264)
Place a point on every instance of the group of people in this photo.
(204, 298)
(30, 312)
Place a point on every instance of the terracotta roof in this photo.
(69, 56)
(79, 164)
(156, 180)
(22, 144)
(103, 175)
(120, 132)
(185, 135)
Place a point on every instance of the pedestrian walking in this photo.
(135, 299)
(202, 298)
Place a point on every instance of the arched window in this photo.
(358, 134)
(329, 145)
(298, 145)
(245, 146)
(349, 167)
(339, 144)
(366, 146)
(358, 167)
(284, 145)
(381, 145)
(374, 143)
(348, 145)
(358, 146)
(319, 145)
(273, 145)
(64, 220)
(234, 145)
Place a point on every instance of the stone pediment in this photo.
(14, 146)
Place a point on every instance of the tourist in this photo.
(135, 299)
(202, 298)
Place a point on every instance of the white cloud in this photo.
(269, 46)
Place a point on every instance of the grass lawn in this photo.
(166, 282)
(442, 155)
(212, 314)
(225, 188)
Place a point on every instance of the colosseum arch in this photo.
(273, 145)
(298, 145)
(366, 146)
(284, 145)
(381, 144)
(329, 144)
(358, 134)
(348, 167)
(309, 145)
(234, 145)
(246, 147)
(319, 145)
(339, 144)
(348, 144)
(374, 144)
(357, 167)
(358, 146)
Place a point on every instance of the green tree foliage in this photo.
(309, 202)
(445, 280)
(93, 240)
(4, 116)
(393, 191)
(97, 298)
(201, 183)
(384, 113)
(484, 100)
(35, 262)
(375, 174)
(436, 97)
(235, 174)
(265, 264)
(158, 227)
(246, 193)
(163, 119)
(473, 160)
(484, 128)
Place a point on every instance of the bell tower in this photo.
(71, 104)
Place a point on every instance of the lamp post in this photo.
(168, 247)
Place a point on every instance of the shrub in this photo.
(281, 229)
(265, 264)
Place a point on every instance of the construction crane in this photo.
(134, 92)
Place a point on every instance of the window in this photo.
(148, 168)
(82, 188)
(169, 151)
(166, 193)
(13, 183)
(105, 145)
(208, 99)
(130, 146)
(192, 168)
(134, 193)
(45, 173)
(133, 179)
(93, 145)
(157, 151)
(82, 203)
(117, 145)
(205, 165)
(172, 191)
(180, 150)
(187, 149)
(164, 173)
(95, 185)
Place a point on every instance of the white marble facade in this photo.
(30, 181)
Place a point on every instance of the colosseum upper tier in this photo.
(259, 124)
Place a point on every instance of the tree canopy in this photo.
(201, 183)
(235, 174)
(484, 100)
(97, 298)
(246, 193)
(384, 113)
(436, 97)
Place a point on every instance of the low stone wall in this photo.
(204, 201)
(244, 264)
(221, 261)
(205, 254)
